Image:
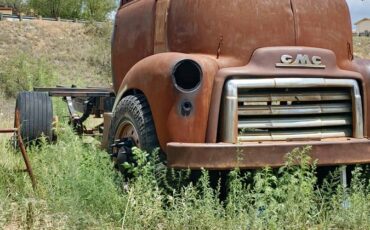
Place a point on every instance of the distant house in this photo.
(363, 26)
(6, 10)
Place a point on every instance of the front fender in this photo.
(152, 76)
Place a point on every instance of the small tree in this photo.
(88, 9)
(57, 8)
(98, 9)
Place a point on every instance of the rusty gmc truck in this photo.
(221, 84)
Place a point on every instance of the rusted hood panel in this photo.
(235, 29)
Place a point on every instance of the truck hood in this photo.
(233, 30)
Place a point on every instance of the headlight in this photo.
(187, 75)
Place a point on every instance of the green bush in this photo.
(23, 72)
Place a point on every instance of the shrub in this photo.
(23, 72)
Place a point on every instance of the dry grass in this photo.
(72, 53)
(70, 48)
(361, 47)
(7, 105)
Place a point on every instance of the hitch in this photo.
(122, 146)
(122, 151)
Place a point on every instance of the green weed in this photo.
(78, 188)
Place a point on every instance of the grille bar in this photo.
(252, 110)
(284, 108)
(272, 123)
(296, 96)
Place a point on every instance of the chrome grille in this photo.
(292, 108)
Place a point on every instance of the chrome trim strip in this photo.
(317, 121)
(229, 125)
(306, 66)
(298, 134)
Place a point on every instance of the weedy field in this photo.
(78, 188)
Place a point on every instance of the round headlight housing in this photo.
(187, 75)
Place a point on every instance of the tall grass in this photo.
(78, 188)
(23, 72)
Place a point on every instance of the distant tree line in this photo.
(70, 9)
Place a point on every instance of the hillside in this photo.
(41, 53)
(76, 52)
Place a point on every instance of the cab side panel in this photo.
(133, 37)
(325, 24)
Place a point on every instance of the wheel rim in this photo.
(127, 130)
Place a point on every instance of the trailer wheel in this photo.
(35, 116)
(133, 120)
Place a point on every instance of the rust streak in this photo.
(220, 46)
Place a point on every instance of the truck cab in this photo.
(223, 84)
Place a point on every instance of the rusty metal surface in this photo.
(77, 92)
(250, 156)
(237, 27)
(160, 39)
(197, 26)
(133, 37)
(152, 76)
(23, 151)
(8, 130)
(229, 39)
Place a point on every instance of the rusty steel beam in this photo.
(77, 92)
(23, 151)
(26, 159)
(8, 130)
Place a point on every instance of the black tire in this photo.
(135, 110)
(35, 116)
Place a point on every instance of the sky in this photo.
(359, 9)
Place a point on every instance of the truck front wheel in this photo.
(132, 120)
